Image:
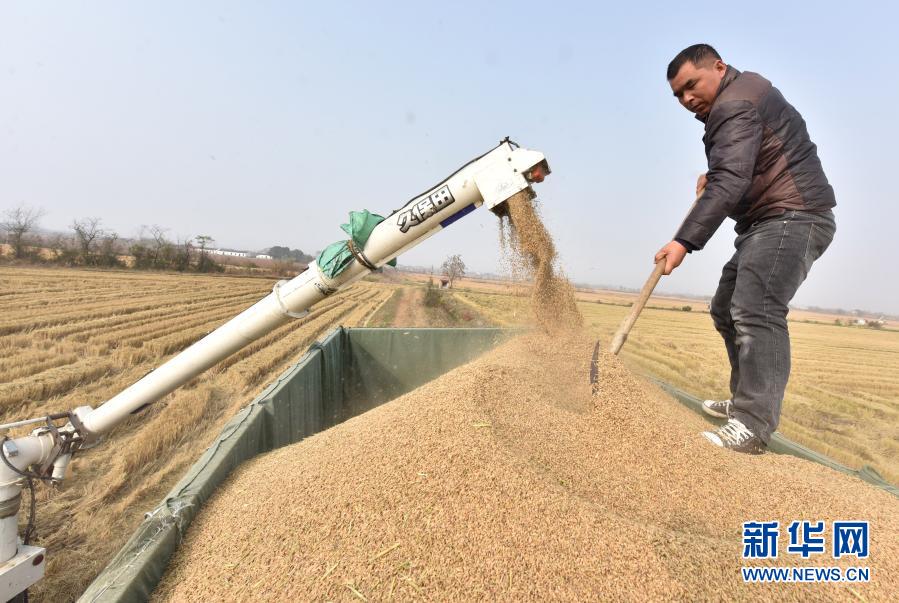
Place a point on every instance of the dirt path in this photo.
(410, 308)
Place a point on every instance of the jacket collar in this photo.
(730, 75)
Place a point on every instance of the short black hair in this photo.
(696, 54)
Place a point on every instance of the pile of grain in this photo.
(506, 479)
(531, 253)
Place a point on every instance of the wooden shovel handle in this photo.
(651, 282)
(625, 328)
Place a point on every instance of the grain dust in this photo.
(531, 254)
(506, 479)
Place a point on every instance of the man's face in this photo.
(697, 86)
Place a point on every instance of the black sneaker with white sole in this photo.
(735, 436)
(717, 408)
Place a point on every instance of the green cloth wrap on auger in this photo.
(335, 258)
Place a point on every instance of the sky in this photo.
(265, 123)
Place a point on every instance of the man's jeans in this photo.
(750, 310)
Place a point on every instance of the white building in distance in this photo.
(230, 253)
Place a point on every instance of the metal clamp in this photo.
(276, 291)
(87, 439)
(60, 445)
(360, 257)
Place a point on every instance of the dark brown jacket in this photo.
(761, 160)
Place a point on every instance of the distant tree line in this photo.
(153, 250)
(286, 253)
(90, 244)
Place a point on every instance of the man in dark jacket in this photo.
(764, 173)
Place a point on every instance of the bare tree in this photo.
(204, 241)
(157, 233)
(18, 222)
(204, 263)
(453, 268)
(153, 249)
(181, 255)
(109, 249)
(87, 231)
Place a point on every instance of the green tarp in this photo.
(335, 258)
(349, 372)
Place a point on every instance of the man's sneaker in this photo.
(717, 408)
(735, 436)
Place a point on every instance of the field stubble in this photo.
(75, 337)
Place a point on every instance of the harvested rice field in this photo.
(73, 337)
(509, 479)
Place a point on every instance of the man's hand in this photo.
(700, 184)
(674, 253)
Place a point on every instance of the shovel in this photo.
(651, 282)
(625, 328)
